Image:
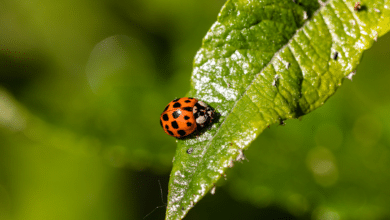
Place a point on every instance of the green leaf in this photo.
(261, 63)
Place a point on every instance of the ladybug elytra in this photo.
(183, 116)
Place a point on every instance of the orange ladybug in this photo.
(183, 116)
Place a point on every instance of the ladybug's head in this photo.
(203, 114)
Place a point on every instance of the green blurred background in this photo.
(83, 83)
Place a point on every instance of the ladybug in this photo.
(184, 116)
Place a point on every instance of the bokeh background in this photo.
(83, 83)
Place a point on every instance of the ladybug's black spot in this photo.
(176, 105)
(176, 113)
(170, 132)
(181, 132)
(187, 101)
(160, 122)
(186, 117)
(201, 113)
(165, 117)
(166, 127)
(176, 100)
(190, 98)
(166, 108)
(189, 124)
(174, 125)
(187, 109)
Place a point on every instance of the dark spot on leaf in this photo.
(190, 150)
(335, 55)
(165, 117)
(174, 125)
